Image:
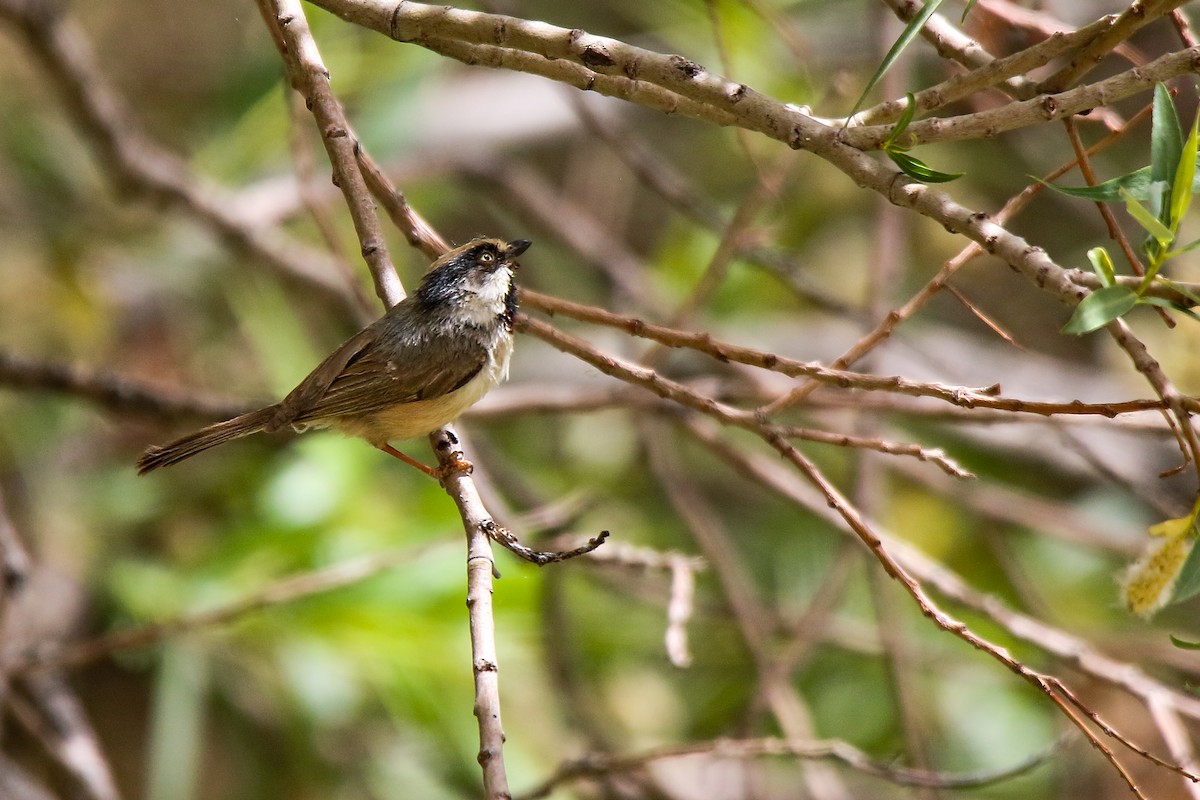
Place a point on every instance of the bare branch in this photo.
(963, 396)
(600, 764)
(113, 392)
(1034, 111)
(287, 590)
(982, 77)
(137, 163)
(311, 79)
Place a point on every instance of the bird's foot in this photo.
(456, 464)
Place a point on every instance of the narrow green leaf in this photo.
(915, 168)
(1102, 265)
(1183, 290)
(1166, 139)
(1183, 643)
(1137, 183)
(967, 10)
(1152, 225)
(1163, 302)
(910, 110)
(910, 32)
(1187, 248)
(1100, 308)
(1188, 584)
(1187, 312)
(1185, 174)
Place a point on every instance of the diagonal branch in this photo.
(849, 516)
(137, 163)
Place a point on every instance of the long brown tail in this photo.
(201, 440)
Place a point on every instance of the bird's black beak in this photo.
(516, 247)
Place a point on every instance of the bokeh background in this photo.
(364, 690)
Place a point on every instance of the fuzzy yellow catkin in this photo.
(1149, 582)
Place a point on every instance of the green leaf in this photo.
(1137, 183)
(1102, 265)
(1187, 248)
(1166, 138)
(1152, 225)
(1184, 644)
(910, 110)
(1185, 174)
(915, 168)
(1188, 584)
(1100, 308)
(1163, 302)
(1183, 290)
(967, 10)
(910, 32)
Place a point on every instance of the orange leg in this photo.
(460, 464)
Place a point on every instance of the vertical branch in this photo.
(485, 663)
(310, 77)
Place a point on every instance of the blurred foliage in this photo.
(365, 692)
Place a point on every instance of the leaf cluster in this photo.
(1157, 197)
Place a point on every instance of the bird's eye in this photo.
(487, 258)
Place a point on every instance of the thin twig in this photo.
(962, 396)
(1035, 111)
(137, 163)
(655, 171)
(113, 392)
(968, 83)
(286, 590)
(932, 455)
(310, 78)
(679, 610)
(1136, 16)
(1183, 26)
(1058, 642)
(56, 718)
(850, 516)
(504, 538)
(419, 233)
(894, 318)
(597, 765)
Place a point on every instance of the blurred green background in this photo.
(365, 691)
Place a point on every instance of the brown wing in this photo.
(358, 378)
(313, 388)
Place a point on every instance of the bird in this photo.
(415, 369)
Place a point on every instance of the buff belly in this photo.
(409, 420)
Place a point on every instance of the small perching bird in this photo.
(428, 359)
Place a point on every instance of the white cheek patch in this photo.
(490, 297)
